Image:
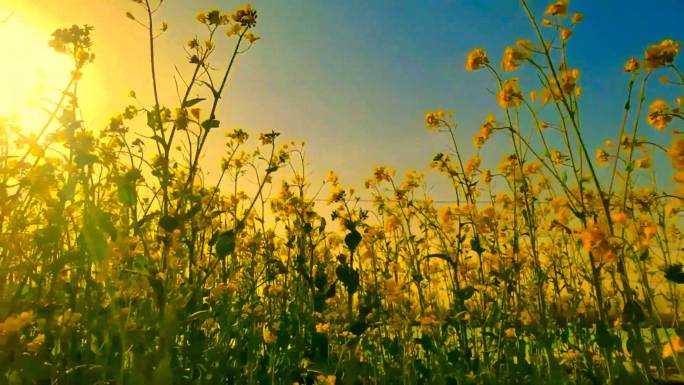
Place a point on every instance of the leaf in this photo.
(476, 246)
(465, 294)
(169, 223)
(358, 327)
(349, 277)
(192, 102)
(210, 123)
(352, 240)
(633, 313)
(674, 273)
(604, 338)
(95, 242)
(126, 192)
(96, 223)
(225, 244)
(68, 191)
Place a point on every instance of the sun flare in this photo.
(31, 73)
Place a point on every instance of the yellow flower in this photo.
(477, 58)
(631, 65)
(577, 17)
(245, 16)
(336, 194)
(601, 156)
(471, 165)
(322, 379)
(323, 328)
(673, 346)
(569, 80)
(676, 154)
(647, 233)
(36, 343)
(565, 34)
(446, 217)
(510, 333)
(512, 57)
(525, 44)
(533, 95)
(510, 94)
(251, 37)
(532, 168)
(644, 162)
(234, 29)
(619, 217)
(559, 8)
(660, 55)
(658, 114)
(428, 321)
(595, 240)
(269, 336)
(487, 176)
(435, 119)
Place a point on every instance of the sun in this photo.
(32, 75)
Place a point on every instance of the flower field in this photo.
(123, 263)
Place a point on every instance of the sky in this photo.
(353, 79)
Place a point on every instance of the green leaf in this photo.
(349, 277)
(225, 244)
(476, 246)
(604, 338)
(95, 242)
(169, 223)
(633, 313)
(68, 191)
(210, 123)
(674, 273)
(126, 191)
(358, 327)
(352, 240)
(192, 102)
(465, 294)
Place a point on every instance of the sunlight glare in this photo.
(31, 74)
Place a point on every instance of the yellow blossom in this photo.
(660, 55)
(512, 57)
(631, 65)
(619, 217)
(558, 8)
(435, 119)
(510, 94)
(673, 346)
(577, 17)
(659, 114)
(477, 58)
(601, 156)
(565, 34)
(676, 153)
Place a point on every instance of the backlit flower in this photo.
(512, 57)
(660, 55)
(477, 58)
(631, 65)
(559, 8)
(659, 114)
(510, 94)
(676, 153)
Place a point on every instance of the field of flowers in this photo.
(121, 264)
